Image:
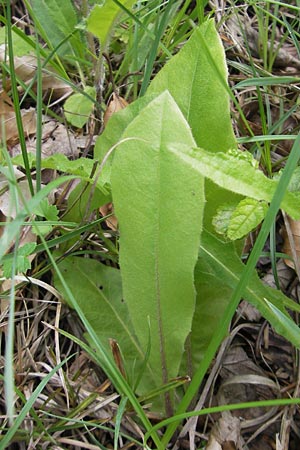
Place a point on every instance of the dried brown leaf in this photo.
(291, 241)
(112, 221)
(225, 434)
(25, 69)
(8, 119)
(116, 104)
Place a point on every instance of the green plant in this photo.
(169, 163)
(157, 184)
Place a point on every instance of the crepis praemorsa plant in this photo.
(174, 163)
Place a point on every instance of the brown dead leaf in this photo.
(112, 221)
(291, 241)
(225, 434)
(7, 205)
(116, 104)
(56, 138)
(26, 68)
(244, 381)
(115, 349)
(8, 118)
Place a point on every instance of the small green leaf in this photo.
(248, 214)
(236, 221)
(222, 218)
(21, 46)
(79, 107)
(44, 209)
(27, 249)
(23, 263)
(84, 168)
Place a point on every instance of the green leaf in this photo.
(266, 81)
(79, 107)
(84, 168)
(23, 264)
(21, 46)
(50, 212)
(283, 324)
(97, 290)
(56, 20)
(197, 79)
(103, 17)
(222, 218)
(248, 214)
(238, 176)
(236, 221)
(198, 87)
(217, 274)
(159, 204)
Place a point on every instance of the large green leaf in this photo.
(98, 291)
(217, 274)
(159, 204)
(236, 175)
(198, 87)
(57, 19)
(196, 78)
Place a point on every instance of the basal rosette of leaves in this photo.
(170, 171)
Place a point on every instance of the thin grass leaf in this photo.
(39, 118)
(160, 27)
(269, 137)
(119, 417)
(219, 409)
(9, 379)
(266, 81)
(15, 96)
(5, 440)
